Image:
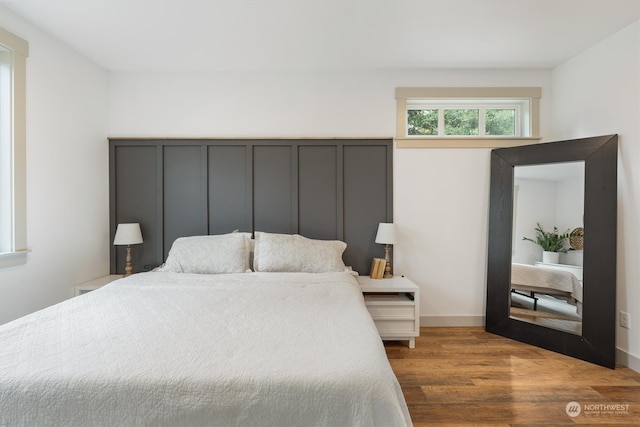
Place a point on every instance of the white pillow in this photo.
(295, 253)
(224, 253)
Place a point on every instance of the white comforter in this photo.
(539, 279)
(173, 349)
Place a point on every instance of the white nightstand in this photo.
(94, 284)
(394, 305)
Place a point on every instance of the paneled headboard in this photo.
(320, 188)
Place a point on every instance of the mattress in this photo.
(171, 349)
(545, 280)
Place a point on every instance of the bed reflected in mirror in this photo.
(546, 273)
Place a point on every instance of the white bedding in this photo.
(545, 280)
(292, 349)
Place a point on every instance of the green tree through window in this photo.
(461, 122)
(500, 122)
(422, 122)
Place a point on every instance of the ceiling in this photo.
(172, 35)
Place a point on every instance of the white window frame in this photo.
(525, 99)
(15, 252)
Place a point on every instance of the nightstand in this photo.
(94, 284)
(394, 305)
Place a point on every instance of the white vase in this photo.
(551, 257)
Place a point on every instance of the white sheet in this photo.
(172, 349)
(540, 279)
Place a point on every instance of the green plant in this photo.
(552, 241)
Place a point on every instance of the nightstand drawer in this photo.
(395, 326)
(395, 311)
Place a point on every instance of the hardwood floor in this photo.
(466, 376)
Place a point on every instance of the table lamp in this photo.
(128, 234)
(387, 236)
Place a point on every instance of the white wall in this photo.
(536, 200)
(552, 203)
(67, 175)
(570, 203)
(440, 195)
(252, 104)
(598, 93)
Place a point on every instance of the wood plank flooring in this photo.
(466, 376)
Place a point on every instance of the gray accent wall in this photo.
(333, 189)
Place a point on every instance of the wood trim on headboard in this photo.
(320, 188)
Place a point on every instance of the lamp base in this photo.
(128, 268)
(388, 271)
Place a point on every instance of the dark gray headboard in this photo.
(323, 189)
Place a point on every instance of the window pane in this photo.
(461, 122)
(5, 153)
(500, 122)
(422, 122)
(13, 57)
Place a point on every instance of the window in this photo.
(6, 164)
(444, 118)
(13, 54)
(466, 117)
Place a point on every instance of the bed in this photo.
(169, 348)
(539, 280)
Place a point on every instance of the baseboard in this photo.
(451, 321)
(629, 360)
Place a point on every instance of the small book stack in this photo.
(377, 268)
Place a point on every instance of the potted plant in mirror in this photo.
(551, 242)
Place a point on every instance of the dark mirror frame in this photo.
(600, 154)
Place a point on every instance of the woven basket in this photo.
(576, 238)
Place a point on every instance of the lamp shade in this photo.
(386, 233)
(128, 234)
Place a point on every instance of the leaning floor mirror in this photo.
(551, 272)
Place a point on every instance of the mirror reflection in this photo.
(547, 247)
